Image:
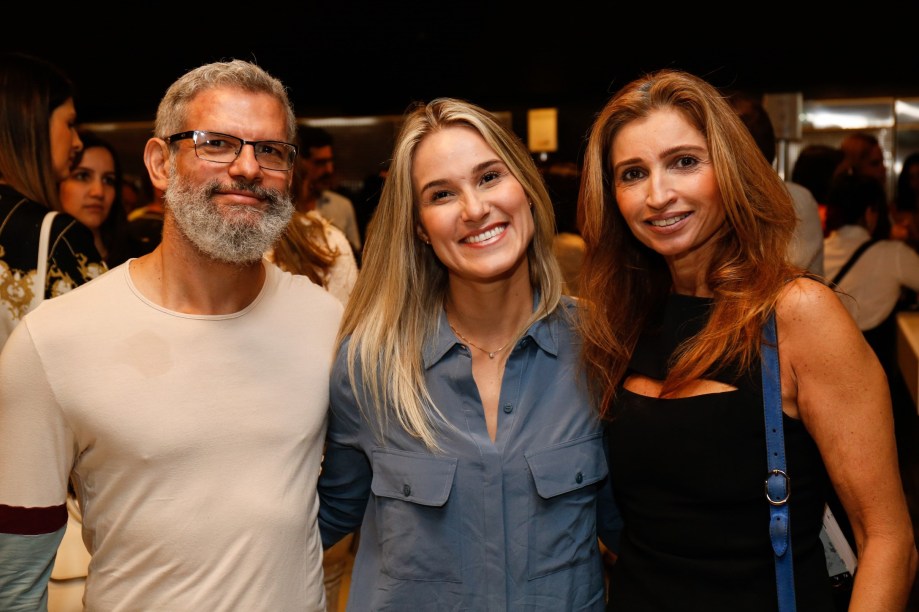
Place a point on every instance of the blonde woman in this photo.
(458, 419)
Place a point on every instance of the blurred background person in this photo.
(38, 143)
(872, 284)
(814, 169)
(806, 247)
(562, 182)
(312, 246)
(145, 221)
(906, 202)
(137, 191)
(92, 194)
(366, 200)
(315, 180)
(864, 156)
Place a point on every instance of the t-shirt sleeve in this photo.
(35, 463)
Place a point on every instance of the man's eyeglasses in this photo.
(224, 149)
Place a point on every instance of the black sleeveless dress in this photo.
(688, 477)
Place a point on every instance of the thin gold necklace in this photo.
(491, 354)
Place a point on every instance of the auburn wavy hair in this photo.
(623, 280)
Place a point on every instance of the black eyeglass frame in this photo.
(193, 136)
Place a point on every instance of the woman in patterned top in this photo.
(38, 142)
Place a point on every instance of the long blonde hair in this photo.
(396, 303)
(622, 280)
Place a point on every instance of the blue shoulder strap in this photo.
(778, 484)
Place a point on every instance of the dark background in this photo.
(346, 59)
(370, 58)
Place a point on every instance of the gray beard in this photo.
(238, 238)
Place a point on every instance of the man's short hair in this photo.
(312, 137)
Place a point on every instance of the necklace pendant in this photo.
(491, 355)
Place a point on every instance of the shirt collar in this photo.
(544, 333)
(853, 232)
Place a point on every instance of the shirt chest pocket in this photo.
(418, 530)
(562, 527)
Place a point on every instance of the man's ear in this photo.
(156, 158)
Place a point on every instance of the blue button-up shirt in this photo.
(482, 525)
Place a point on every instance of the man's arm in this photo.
(34, 467)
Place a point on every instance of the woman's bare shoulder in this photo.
(806, 300)
(813, 324)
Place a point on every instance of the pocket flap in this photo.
(569, 466)
(413, 477)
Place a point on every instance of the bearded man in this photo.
(184, 393)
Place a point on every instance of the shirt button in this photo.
(406, 490)
(508, 408)
(579, 478)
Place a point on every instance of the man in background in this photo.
(317, 172)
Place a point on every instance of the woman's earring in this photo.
(422, 235)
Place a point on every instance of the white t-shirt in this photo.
(194, 442)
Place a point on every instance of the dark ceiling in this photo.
(353, 58)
